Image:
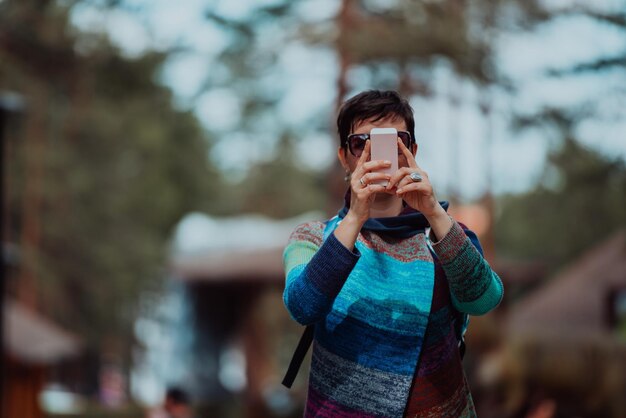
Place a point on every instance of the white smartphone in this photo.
(384, 146)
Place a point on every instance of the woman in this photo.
(388, 304)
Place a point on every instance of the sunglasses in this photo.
(356, 142)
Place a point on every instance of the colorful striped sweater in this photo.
(388, 317)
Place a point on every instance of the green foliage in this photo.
(580, 204)
(581, 198)
(278, 188)
(133, 169)
(116, 164)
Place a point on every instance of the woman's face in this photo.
(349, 161)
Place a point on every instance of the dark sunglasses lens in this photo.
(405, 137)
(357, 143)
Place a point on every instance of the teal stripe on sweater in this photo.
(298, 254)
(295, 272)
(411, 283)
(486, 302)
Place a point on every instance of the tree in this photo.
(579, 202)
(580, 199)
(106, 169)
(248, 68)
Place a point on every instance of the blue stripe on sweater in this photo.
(369, 346)
(303, 313)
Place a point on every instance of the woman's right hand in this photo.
(363, 191)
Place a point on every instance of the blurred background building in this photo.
(156, 155)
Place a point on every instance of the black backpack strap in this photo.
(298, 356)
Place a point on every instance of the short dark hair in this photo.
(374, 105)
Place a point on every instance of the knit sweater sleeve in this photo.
(315, 271)
(475, 288)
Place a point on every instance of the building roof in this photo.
(575, 301)
(233, 249)
(34, 339)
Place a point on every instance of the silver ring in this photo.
(415, 176)
(362, 182)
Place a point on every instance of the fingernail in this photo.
(387, 162)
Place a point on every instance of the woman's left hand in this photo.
(419, 195)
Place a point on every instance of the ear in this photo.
(414, 149)
(341, 155)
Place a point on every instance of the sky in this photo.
(308, 76)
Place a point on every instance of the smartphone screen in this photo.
(384, 142)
